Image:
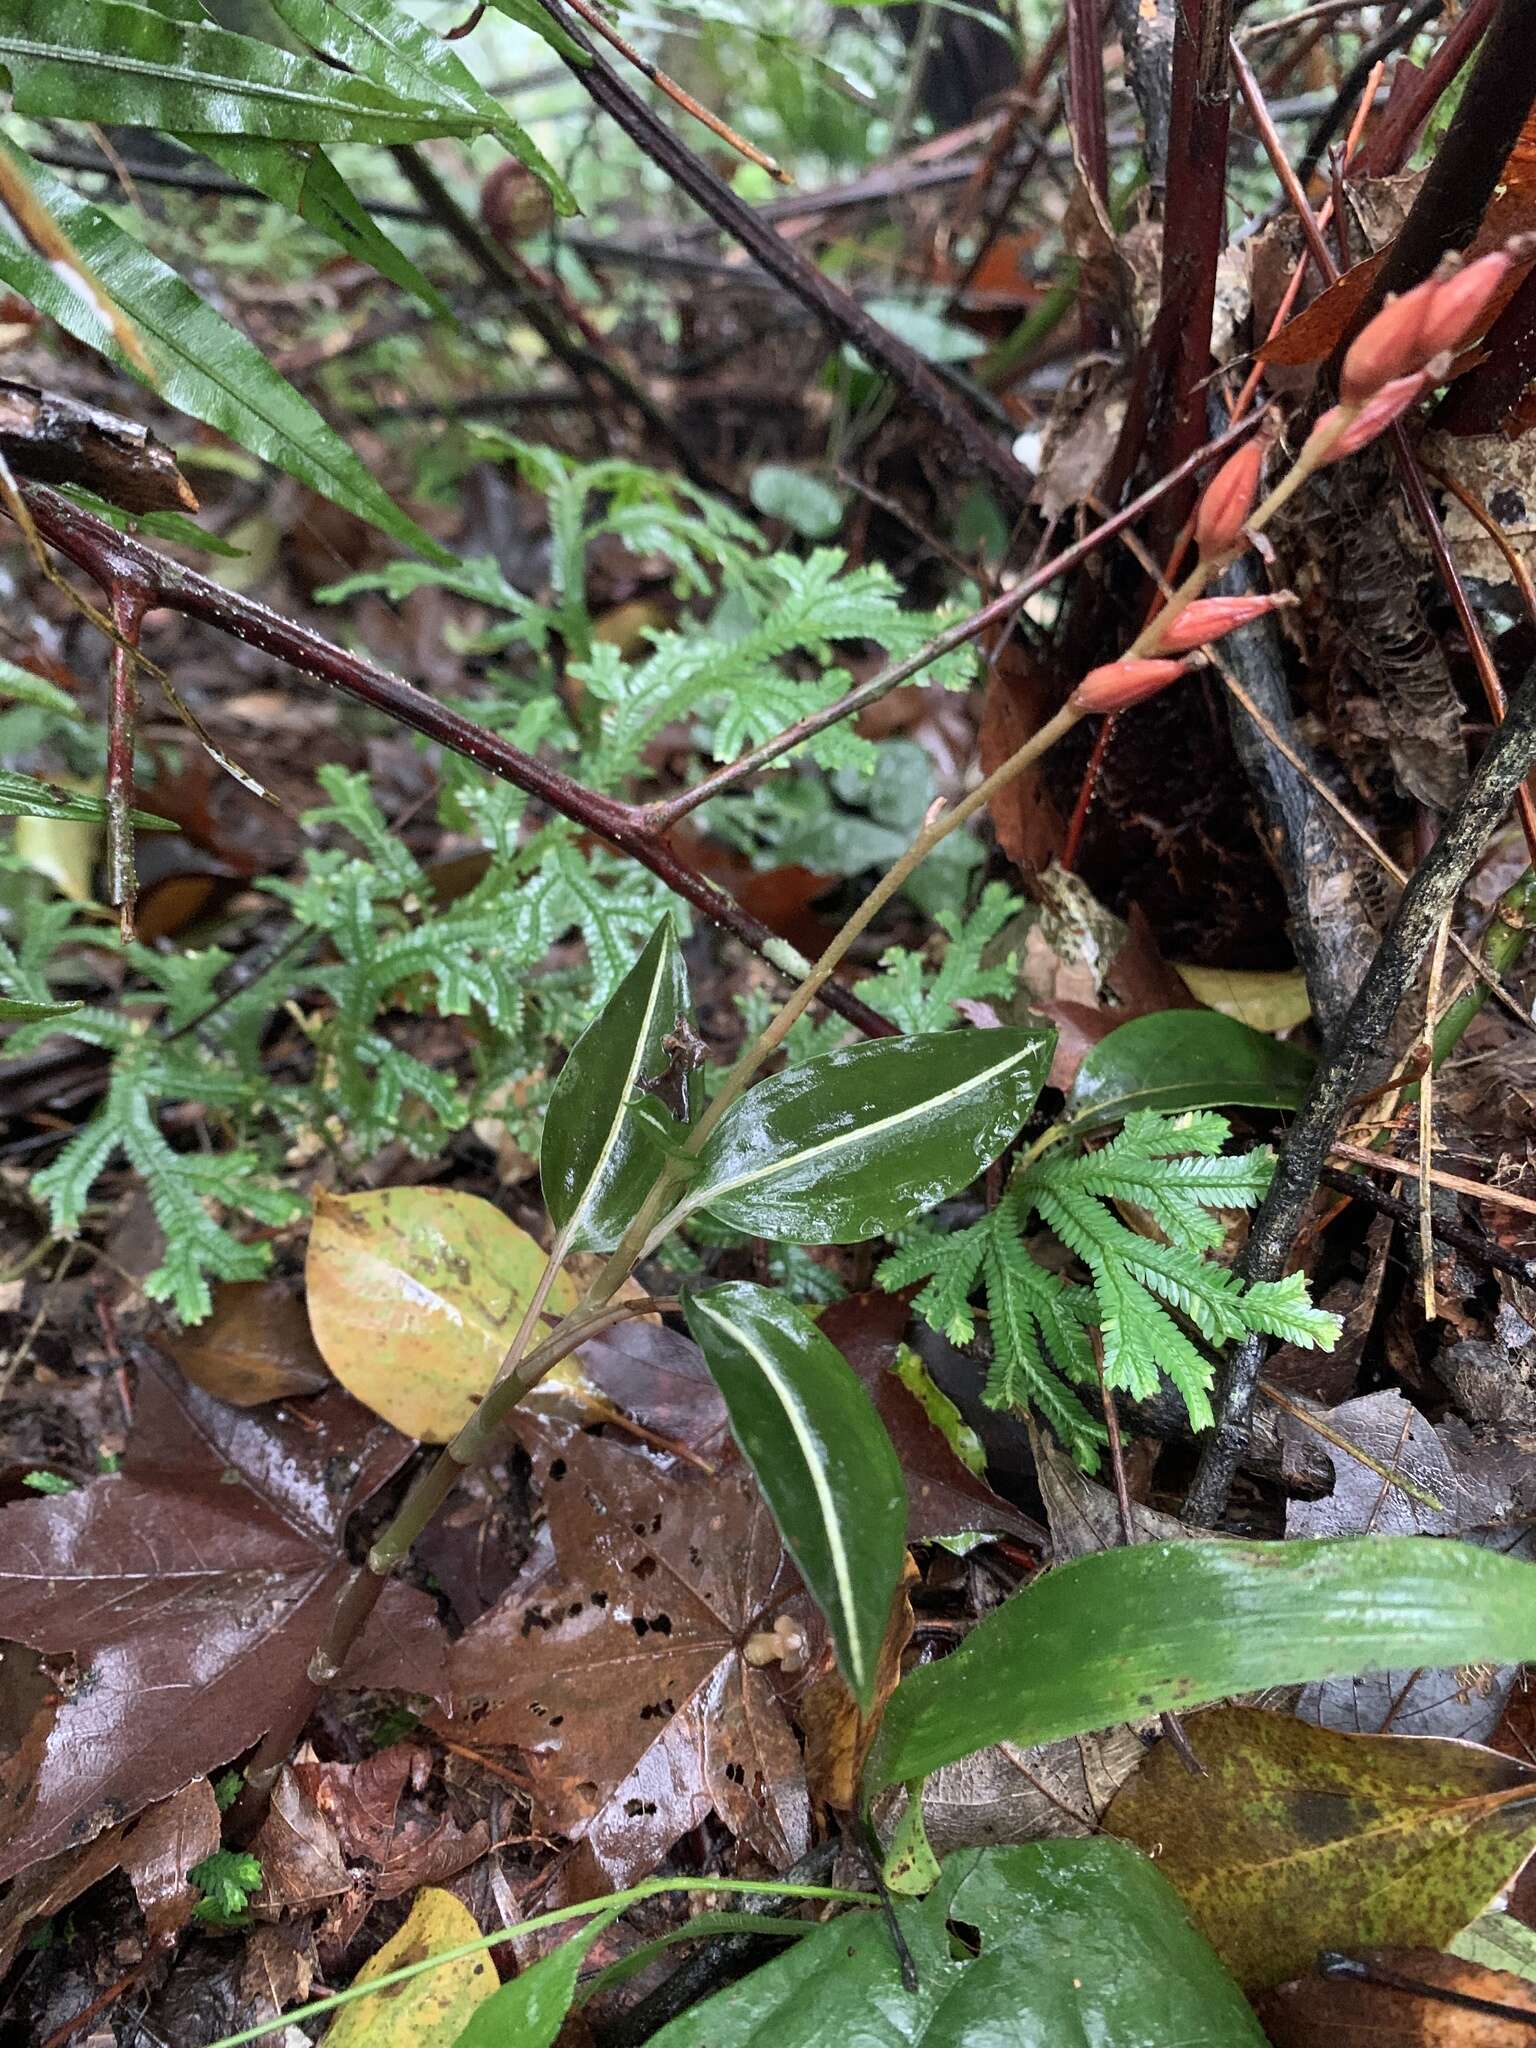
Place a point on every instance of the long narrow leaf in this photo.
(821, 1455)
(200, 363)
(1124, 1633)
(380, 42)
(307, 183)
(102, 60)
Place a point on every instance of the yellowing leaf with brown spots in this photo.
(1298, 1839)
(427, 2011)
(415, 1295)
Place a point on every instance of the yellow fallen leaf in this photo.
(414, 1296)
(1267, 1002)
(429, 2011)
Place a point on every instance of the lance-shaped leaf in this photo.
(197, 361)
(1125, 1633)
(595, 1162)
(821, 1456)
(100, 60)
(306, 182)
(855, 1144)
(1176, 1060)
(381, 43)
(23, 796)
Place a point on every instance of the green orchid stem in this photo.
(614, 1902)
(1507, 936)
(474, 1442)
(518, 1376)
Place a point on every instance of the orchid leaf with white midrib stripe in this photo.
(595, 1164)
(858, 1143)
(821, 1455)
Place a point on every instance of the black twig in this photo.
(839, 313)
(1355, 1062)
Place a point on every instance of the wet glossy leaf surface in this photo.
(820, 1454)
(206, 1569)
(1186, 1059)
(643, 1674)
(1131, 1632)
(415, 1295)
(595, 1165)
(197, 361)
(1297, 1839)
(854, 1144)
(1074, 1941)
(428, 2011)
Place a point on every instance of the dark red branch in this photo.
(1449, 206)
(1194, 230)
(1385, 149)
(115, 560)
(130, 597)
(843, 316)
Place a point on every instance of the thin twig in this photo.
(1407, 1169)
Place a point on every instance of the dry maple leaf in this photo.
(644, 1675)
(192, 1588)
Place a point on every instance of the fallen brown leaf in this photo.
(1339, 2012)
(192, 1588)
(644, 1674)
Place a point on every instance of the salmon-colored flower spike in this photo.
(1389, 346)
(1229, 498)
(1372, 418)
(1119, 684)
(1209, 618)
(1459, 301)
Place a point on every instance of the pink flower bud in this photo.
(1458, 302)
(1208, 618)
(1372, 418)
(1229, 498)
(1119, 684)
(1388, 346)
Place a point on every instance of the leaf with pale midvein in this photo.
(821, 1455)
(199, 362)
(595, 1163)
(856, 1144)
(1126, 1633)
(381, 43)
(103, 60)
(23, 796)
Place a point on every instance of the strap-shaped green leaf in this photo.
(594, 1162)
(855, 1144)
(1125, 1633)
(102, 60)
(200, 363)
(23, 796)
(821, 1455)
(380, 42)
(306, 182)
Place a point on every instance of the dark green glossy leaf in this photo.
(1186, 1059)
(23, 796)
(14, 1011)
(595, 1163)
(306, 182)
(101, 60)
(531, 15)
(530, 2009)
(821, 1455)
(858, 1143)
(1080, 1942)
(1124, 1633)
(200, 363)
(383, 44)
